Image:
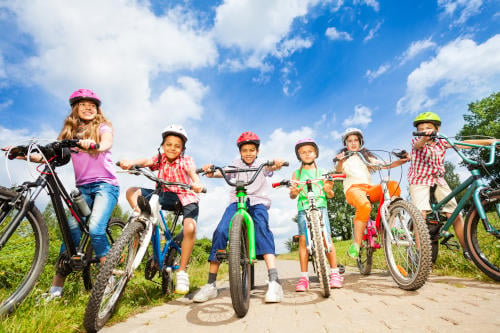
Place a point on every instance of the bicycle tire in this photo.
(239, 266)
(23, 256)
(409, 266)
(483, 246)
(319, 254)
(365, 259)
(115, 271)
(90, 271)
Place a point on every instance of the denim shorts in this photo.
(301, 221)
(168, 201)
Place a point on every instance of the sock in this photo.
(334, 270)
(55, 289)
(212, 277)
(304, 274)
(273, 275)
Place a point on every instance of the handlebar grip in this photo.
(286, 164)
(204, 190)
(433, 135)
(118, 164)
(199, 170)
(335, 160)
(274, 185)
(94, 146)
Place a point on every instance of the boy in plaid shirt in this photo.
(427, 169)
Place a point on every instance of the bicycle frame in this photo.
(243, 211)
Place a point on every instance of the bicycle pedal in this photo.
(221, 255)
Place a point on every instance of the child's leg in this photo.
(189, 232)
(356, 197)
(458, 225)
(303, 254)
(132, 194)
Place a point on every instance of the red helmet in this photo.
(248, 137)
(84, 94)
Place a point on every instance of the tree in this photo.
(484, 119)
(340, 213)
(454, 181)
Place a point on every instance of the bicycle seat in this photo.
(144, 206)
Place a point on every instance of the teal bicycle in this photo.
(482, 223)
(241, 255)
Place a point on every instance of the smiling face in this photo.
(307, 153)
(87, 110)
(172, 147)
(248, 152)
(352, 143)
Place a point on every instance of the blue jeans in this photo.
(301, 221)
(101, 198)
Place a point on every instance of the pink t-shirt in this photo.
(94, 168)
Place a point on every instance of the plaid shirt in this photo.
(427, 163)
(176, 172)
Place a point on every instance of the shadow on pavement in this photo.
(379, 283)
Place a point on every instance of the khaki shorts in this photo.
(420, 196)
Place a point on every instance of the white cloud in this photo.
(362, 116)
(416, 48)
(371, 3)
(462, 8)
(461, 67)
(336, 135)
(334, 34)
(372, 32)
(371, 75)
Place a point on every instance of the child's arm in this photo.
(278, 163)
(340, 162)
(207, 167)
(143, 163)
(294, 189)
(328, 188)
(197, 186)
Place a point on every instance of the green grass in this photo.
(66, 314)
(449, 263)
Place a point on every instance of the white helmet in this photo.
(176, 130)
(351, 131)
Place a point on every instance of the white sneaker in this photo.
(206, 292)
(182, 283)
(274, 292)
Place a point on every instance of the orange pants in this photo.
(360, 196)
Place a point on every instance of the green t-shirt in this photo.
(320, 195)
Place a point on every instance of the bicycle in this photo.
(482, 222)
(241, 255)
(129, 250)
(318, 240)
(404, 237)
(24, 237)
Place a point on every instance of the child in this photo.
(175, 167)
(94, 175)
(358, 188)
(427, 169)
(307, 151)
(259, 203)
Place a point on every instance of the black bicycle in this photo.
(24, 237)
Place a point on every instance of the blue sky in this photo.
(285, 69)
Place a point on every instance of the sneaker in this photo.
(336, 280)
(302, 285)
(274, 292)
(353, 251)
(47, 297)
(206, 292)
(467, 255)
(182, 283)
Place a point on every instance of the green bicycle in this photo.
(482, 223)
(241, 255)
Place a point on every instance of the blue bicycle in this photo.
(150, 226)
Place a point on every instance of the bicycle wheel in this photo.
(484, 246)
(319, 255)
(23, 256)
(408, 256)
(112, 278)
(239, 266)
(89, 273)
(365, 258)
(172, 260)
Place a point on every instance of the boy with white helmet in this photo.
(173, 166)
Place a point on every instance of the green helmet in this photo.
(427, 117)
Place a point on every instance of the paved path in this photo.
(365, 304)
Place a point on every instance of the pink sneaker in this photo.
(336, 280)
(302, 285)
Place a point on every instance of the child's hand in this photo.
(328, 188)
(207, 168)
(294, 191)
(126, 164)
(428, 133)
(197, 187)
(86, 143)
(340, 156)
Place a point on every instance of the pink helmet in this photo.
(303, 142)
(84, 94)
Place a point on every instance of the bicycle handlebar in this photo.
(326, 176)
(138, 170)
(48, 150)
(225, 172)
(454, 144)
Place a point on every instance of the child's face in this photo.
(353, 143)
(87, 110)
(426, 126)
(248, 152)
(172, 147)
(307, 153)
